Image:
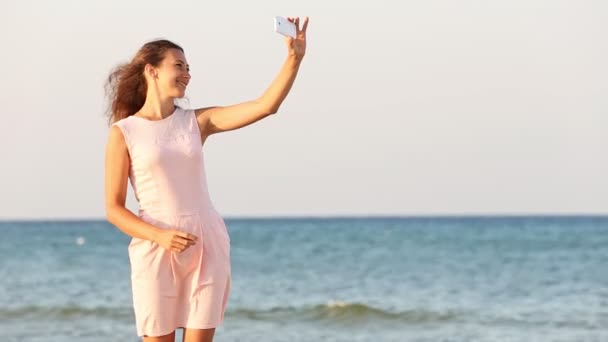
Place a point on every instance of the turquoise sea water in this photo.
(319, 279)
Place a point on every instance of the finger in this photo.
(297, 22)
(187, 236)
(305, 24)
(188, 242)
(185, 241)
(179, 243)
(182, 247)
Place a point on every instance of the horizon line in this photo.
(347, 216)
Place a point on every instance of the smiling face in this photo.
(172, 75)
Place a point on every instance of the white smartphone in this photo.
(284, 27)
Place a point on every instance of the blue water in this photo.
(347, 279)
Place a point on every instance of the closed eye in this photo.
(180, 65)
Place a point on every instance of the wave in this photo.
(335, 312)
(330, 312)
(65, 312)
(343, 312)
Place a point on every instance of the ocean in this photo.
(475, 278)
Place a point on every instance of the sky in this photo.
(434, 107)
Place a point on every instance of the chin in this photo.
(179, 94)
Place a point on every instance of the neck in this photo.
(156, 106)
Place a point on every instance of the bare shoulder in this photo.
(116, 134)
(117, 151)
(117, 165)
(116, 139)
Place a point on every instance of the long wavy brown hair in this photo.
(126, 87)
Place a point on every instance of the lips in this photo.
(184, 85)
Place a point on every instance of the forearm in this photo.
(281, 85)
(225, 118)
(130, 224)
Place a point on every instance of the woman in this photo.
(180, 248)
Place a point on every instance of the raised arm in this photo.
(225, 118)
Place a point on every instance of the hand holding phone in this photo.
(284, 27)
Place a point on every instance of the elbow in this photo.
(267, 107)
(273, 109)
(111, 211)
(109, 215)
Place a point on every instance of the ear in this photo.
(151, 71)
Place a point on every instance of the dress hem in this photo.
(203, 326)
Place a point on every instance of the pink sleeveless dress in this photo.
(172, 290)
